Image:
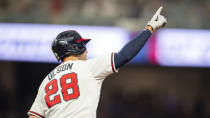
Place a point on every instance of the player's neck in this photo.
(72, 58)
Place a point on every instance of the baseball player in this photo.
(72, 89)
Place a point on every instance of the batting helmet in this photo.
(68, 42)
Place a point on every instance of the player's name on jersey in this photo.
(59, 69)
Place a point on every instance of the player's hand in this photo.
(157, 21)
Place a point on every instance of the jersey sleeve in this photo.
(37, 108)
(103, 66)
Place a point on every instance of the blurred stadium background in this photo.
(170, 78)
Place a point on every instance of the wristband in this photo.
(149, 28)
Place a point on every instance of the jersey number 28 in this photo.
(68, 83)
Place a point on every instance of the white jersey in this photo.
(72, 89)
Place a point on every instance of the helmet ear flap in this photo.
(54, 49)
(56, 55)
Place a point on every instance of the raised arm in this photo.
(132, 48)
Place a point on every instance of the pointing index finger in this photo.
(159, 10)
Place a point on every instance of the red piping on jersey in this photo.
(112, 62)
(37, 114)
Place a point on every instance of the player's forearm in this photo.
(131, 49)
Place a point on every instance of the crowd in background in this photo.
(151, 105)
(130, 14)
